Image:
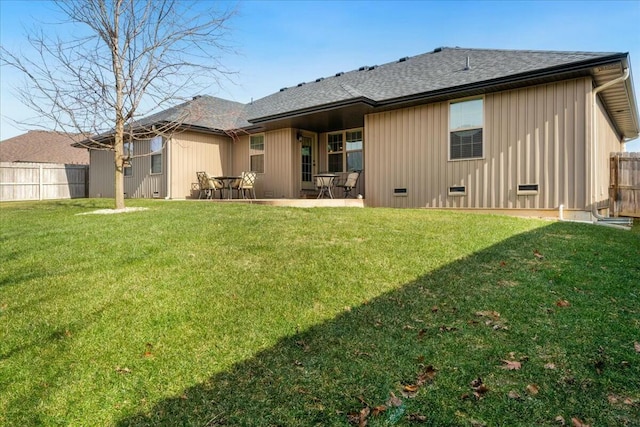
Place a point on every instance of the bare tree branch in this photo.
(122, 60)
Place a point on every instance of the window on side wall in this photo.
(466, 122)
(345, 151)
(354, 150)
(128, 153)
(336, 152)
(256, 153)
(156, 155)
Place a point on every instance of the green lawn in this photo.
(204, 314)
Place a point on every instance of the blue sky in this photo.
(284, 43)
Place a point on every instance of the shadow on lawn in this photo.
(319, 376)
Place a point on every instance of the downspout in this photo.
(594, 127)
(168, 178)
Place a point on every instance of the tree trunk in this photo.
(118, 151)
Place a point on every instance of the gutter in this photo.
(594, 161)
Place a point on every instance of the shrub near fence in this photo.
(624, 184)
(42, 181)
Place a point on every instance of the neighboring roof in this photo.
(40, 146)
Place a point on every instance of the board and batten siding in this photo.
(533, 135)
(191, 152)
(140, 184)
(279, 179)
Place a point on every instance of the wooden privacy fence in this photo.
(624, 184)
(42, 181)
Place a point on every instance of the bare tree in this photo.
(120, 61)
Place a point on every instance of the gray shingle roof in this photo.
(442, 70)
(430, 72)
(203, 111)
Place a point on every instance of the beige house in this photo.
(452, 128)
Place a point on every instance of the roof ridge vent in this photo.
(438, 49)
(196, 97)
(319, 79)
(301, 84)
(364, 67)
(283, 89)
(339, 74)
(404, 58)
(373, 67)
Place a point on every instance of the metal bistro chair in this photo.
(208, 185)
(350, 183)
(246, 183)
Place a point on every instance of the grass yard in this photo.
(204, 314)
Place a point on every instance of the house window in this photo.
(256, 153)
(128, 154)
(336, 152)
(156, 155)
(347, 156)
(354, 151)
(465, 129)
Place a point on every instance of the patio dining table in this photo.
(228, 181)
(325, 182)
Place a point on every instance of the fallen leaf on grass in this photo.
(378, 410)
(427, 375)
(417, 418)
(303, 345)
(550, 366)
(410, 390)
(492, 314)
(533, 389)
(148, 352)
(479, 389)
(615, 399)
(511, 365)
(538, 254)
(578, 423)
(513, 395)
(393, 400)
(123, 370)
(636, 346)
(434, 309)
(359, 418)
(448, 328)
(563, 303)
(560, 420)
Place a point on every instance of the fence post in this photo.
(40, 183)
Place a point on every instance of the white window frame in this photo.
(345, 151)
(482, 128)
(155, 154)
(127, 151)
(256, 151)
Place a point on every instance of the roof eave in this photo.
(100, 141)
(316, 109)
